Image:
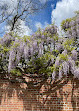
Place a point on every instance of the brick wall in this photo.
(45, 97)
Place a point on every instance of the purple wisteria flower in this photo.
(77, 20)
(58, 46)
(76, 72)
(74, 54)
(12, 63)
(71, 64)
(67, 24)
(57, 62)
(60, 72)
(65, 66)
(72, 23)
(64, 52)
(53, 75)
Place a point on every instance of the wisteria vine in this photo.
(43, 53)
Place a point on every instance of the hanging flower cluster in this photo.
(71, 26)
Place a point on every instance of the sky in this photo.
(55, 11)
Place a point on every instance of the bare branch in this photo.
(22, 10)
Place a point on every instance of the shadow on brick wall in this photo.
(45, 97)
(75, 94)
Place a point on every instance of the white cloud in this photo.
(61, 32)
(24, 30)
(64, 9)
(20, 28)
(39, 25)
(52, 6)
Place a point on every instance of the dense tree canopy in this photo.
(43, 54)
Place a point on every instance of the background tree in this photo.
(13, 12)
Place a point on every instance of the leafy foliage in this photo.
(43, 53)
